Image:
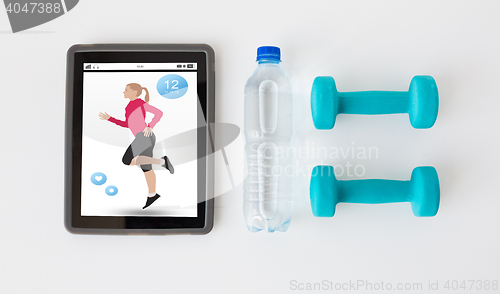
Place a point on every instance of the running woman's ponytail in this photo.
(146, 98)
(138, 88)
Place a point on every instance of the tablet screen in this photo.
(139, 139)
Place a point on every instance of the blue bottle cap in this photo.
(268, 53)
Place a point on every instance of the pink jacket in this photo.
(135, 114)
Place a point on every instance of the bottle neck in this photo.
(268, 61)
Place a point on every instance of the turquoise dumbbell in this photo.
(421, 102)
(422, 191)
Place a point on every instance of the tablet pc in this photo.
(137, 139)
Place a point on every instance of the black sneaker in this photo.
(168, 165)
(151, 200)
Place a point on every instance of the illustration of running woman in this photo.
(140, 151)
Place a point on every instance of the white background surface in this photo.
(364, 45)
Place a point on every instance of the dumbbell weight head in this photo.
(324, 103)
(425, 192)
(323, 191)
(423, 102)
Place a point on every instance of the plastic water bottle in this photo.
(267, 190)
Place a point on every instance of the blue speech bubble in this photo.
(111, 190)
(172, 86)
(98, 178)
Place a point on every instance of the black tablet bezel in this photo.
(141, 53)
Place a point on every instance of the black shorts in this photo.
(141, 145)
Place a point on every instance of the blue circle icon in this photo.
(98, 178)
(111, 190)
(172, 86)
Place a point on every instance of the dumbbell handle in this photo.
(374, 191)
(373, 102)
